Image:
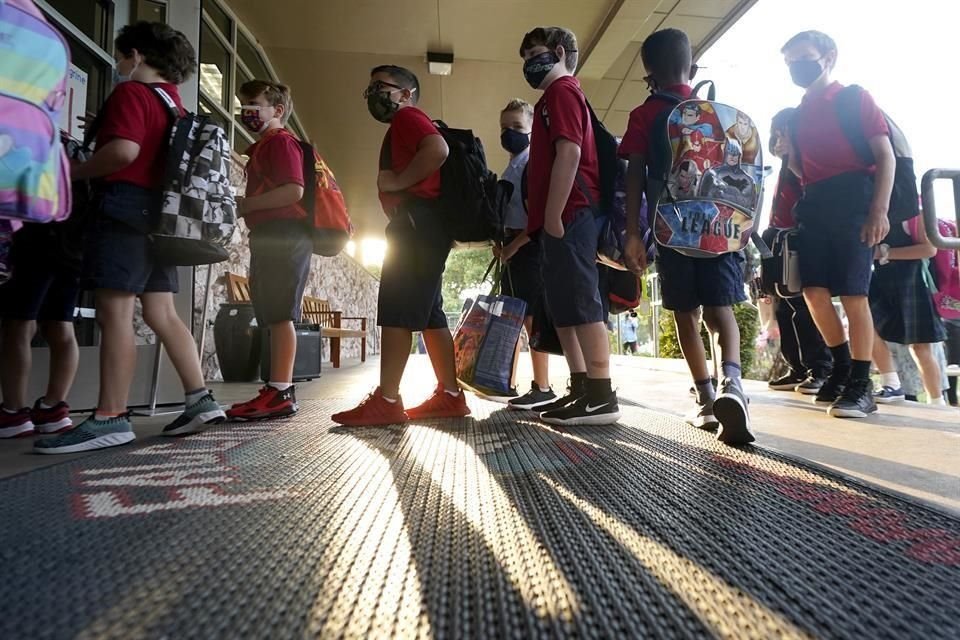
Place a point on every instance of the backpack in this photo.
(198, 214)
(702, 205)
(904, 199)
(945, 285)
(327, 220)
(611, 211)
(780, 273)
(34, 171)
(623, 289)
(468, 189)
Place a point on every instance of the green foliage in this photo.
(747, 319)
(464, 270)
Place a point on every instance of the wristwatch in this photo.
(884, 254)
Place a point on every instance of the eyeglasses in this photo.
(378, 87)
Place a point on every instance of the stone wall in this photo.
(341, 280)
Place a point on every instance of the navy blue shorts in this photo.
(830, 217)
(42, 288)
(117, 251)
(280, 257)
(571, 280)
(411, 281)
(521, 276)
(688, 283)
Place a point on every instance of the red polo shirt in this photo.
(408, 128)
(824, 149)
(789, 190)
(636, 141)
(276, 159)
(560, 113)
(134, 112)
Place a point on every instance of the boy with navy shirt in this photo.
(842, 216)
(687, 283)
(410, 299)
(563, 178)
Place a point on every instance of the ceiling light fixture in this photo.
(440, 64)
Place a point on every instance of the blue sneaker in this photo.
(89, 435)
(194, 418)
(889, 395)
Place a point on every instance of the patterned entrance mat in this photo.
(493, 526)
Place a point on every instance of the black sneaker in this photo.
(571, 396)
(831, 390)
(788, 382)
(583, 412)
(733, 414)
(533, 399)
(693, 389)
(811, 385)
(856, 402)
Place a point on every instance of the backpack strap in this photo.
(386, 160)
(711, 94)
(309, 177)
(847, 102)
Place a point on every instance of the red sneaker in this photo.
(270, 403)
(374, 411)
(52, 420)
(441, 405)
(14, 425)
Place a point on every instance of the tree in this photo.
(464, 270)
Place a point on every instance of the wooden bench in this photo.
(314, 311)
(317, 311)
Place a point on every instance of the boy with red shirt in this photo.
(801, 344)
(842, 216)
(119, 264)
(418, 244)
(687, 283)
(563, 176)
(280, 248)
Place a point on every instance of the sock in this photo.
(938, 401)
(44, 405)
(731, 370)
(192, 397)
(891, 380)
(390, 400)
(101, 416)
(860, 370)
(705, 390)
(578, 382)
(841, 360)
(544, 390)
(452, 394)
(598, 390)
(280, 386)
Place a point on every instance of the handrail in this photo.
(930, 210)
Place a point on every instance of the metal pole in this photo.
(930, 209)
(203, 314)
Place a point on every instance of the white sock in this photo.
(280, 386)
(938, 401)
(390, 400)
(542, 390)
(10, 411)
(452, 394)
(194, 396)
(44, 405)
(100, 417)
(891, 380)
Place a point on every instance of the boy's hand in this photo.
(875, 229)
(387, 181)
(554, 228)
(635, 254)
(508, 252)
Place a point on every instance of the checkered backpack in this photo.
(198, 214)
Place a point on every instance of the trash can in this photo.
(237, 339)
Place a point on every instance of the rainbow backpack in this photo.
(34, 169)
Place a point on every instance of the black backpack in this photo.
(904, 199)
(468, 189)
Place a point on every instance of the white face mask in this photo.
(119, 77)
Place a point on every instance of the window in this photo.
(150, 10)
(93, 18)
(214, 67)
(230, 56)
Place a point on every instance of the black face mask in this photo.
(514, 141)
(535, 69)
(805, 72)
(381, 107)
